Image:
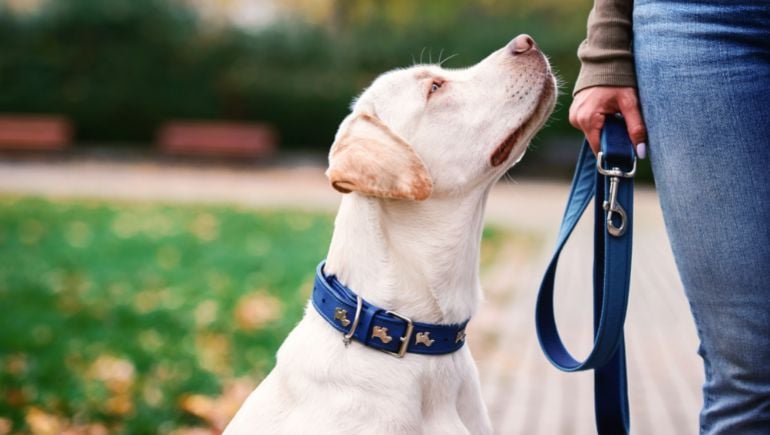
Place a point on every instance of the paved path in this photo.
(524, 393)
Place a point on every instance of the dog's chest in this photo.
(316, 354)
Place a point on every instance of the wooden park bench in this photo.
(34, 132)
(217, 139)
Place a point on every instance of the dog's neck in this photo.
(420, 259)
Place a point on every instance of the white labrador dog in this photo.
(419, 152)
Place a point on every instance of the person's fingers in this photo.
(629, 107)
(590, 122)
(581, 108)
(593, 128)
(588, 109)
(573, 108)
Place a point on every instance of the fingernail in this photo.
(641, 150)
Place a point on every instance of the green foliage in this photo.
(119, 68)
(148, 293)
(116, 67)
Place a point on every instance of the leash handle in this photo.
(608, 180)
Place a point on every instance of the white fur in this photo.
(418, 258)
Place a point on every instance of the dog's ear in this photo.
(369, 158)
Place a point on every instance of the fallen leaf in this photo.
(117, 374)
(6, 426)
(257, 309)
(205, 227)
(213, 352)
(218, 411)
(42, 423)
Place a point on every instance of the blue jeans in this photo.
(703, 69)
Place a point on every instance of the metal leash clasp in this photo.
(613, 206)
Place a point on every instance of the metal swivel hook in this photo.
(613, 206)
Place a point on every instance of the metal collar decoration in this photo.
(378, 328)
(609, 180)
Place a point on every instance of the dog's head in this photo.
(427, 130)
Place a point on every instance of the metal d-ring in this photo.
(347, 338)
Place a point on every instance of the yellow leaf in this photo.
(257, 309)
(42, 423)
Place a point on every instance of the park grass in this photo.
(127, 317)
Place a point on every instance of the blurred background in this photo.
(163, 205)
(120, 70)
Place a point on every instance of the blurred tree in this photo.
(121, 67)
(99, 62)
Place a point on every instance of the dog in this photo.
(417, 156)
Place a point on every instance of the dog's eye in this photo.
(435, 87)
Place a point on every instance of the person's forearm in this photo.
(605, 55)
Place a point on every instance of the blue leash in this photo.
(611, 183)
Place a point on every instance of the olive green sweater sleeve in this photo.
(605, 54)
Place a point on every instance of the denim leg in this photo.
(703, 69)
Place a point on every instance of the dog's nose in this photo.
(521, 44)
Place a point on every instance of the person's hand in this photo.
(591, 105)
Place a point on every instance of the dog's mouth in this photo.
(503, 151)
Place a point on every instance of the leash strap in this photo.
(378, 328)
(610, 183)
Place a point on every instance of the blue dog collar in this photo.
(378, 328)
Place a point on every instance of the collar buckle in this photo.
(405, 339)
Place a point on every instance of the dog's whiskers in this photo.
(441, 62)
